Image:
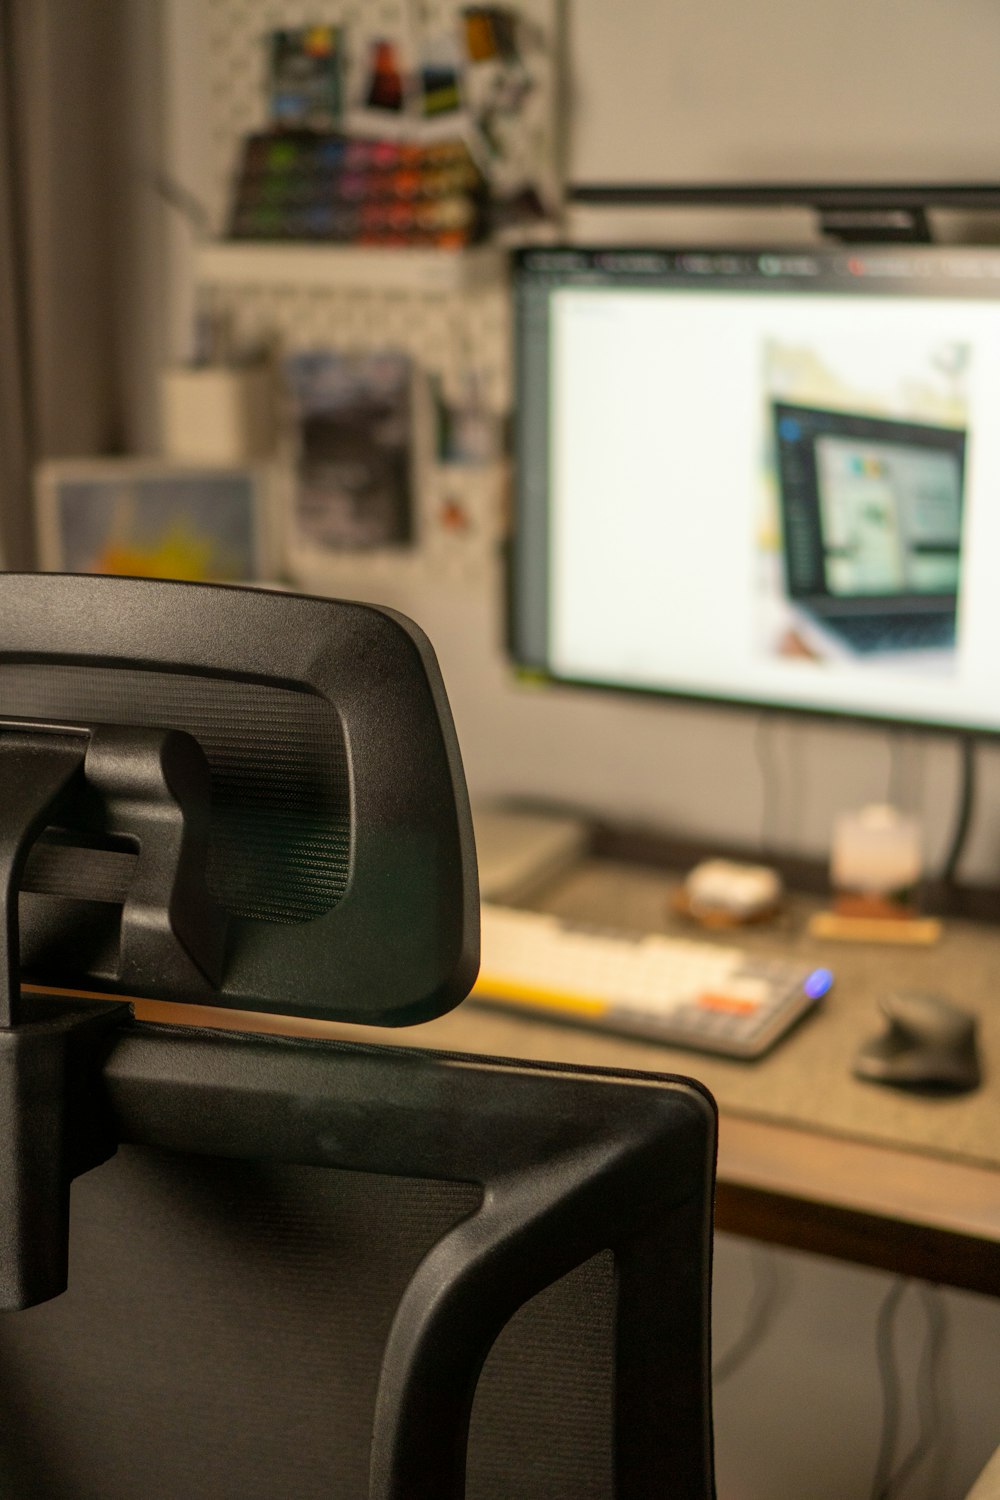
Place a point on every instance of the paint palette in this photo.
(306, 185)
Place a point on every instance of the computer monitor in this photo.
(762, 477)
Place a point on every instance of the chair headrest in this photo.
(328, 867)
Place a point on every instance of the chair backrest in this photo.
(312, 1265)
(302, 1268)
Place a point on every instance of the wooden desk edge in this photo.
(875, 1205)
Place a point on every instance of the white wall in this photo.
(778, 90)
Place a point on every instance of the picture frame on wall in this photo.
(147, 518)
(356, 465)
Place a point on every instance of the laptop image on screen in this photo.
(871, 520)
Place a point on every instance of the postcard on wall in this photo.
(354, 460)
(305, 82)
(153, 519)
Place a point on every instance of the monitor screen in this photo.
(762, 477)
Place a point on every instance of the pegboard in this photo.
(446, 333)
(236, 64)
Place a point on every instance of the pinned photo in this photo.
(354, 460)
(385, 89)
(306, 77)
(439, 76)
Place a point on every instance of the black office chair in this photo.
(304, 1268)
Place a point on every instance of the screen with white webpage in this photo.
(762, 477)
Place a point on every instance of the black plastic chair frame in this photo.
(405, 933)
(567, 1169)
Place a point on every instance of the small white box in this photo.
(218, 414)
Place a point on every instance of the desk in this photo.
(809, 1157)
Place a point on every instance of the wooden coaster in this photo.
(855, 929)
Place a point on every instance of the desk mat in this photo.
(806, 1080)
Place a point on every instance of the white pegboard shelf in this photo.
(237, 263)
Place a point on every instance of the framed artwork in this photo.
(147, 518)
(355, 465)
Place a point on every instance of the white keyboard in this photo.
(685, 992)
